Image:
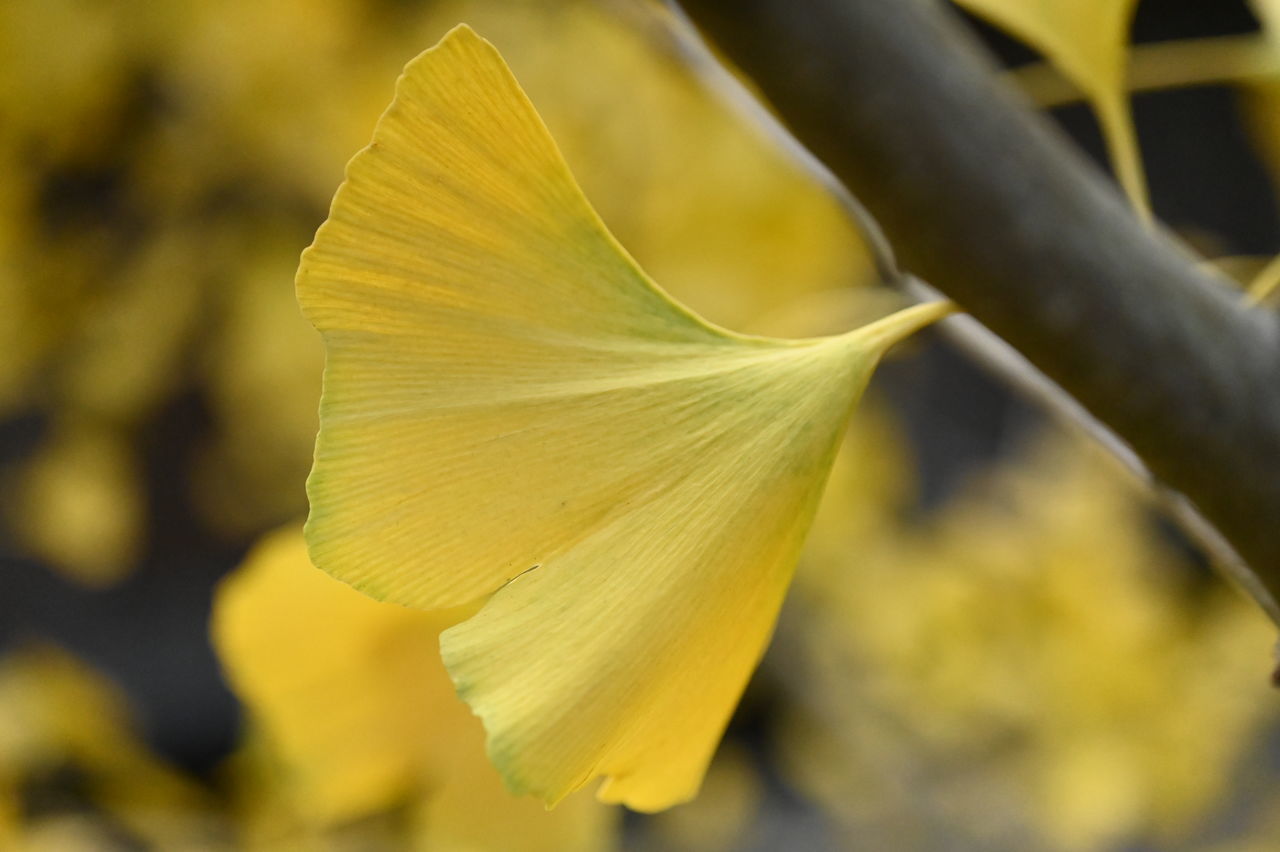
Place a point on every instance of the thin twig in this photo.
(1165, 65)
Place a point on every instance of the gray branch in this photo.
(990, 204)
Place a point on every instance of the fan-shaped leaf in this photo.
(512, 406)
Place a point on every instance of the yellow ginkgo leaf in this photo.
(369, 668)
(512, 406)
(1088, 41)
(1265, 283)
(350, 695)
(1268, 12)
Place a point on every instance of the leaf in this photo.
(369, 668)
(1087, 40)
(363, 714)
(78, 504)
(1268, 14)
(1265, 283)
(511, 406)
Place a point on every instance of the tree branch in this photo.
(991, 205)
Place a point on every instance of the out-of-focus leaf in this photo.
(1268, 11)
(1087, 40)
(79, 505)
(299, 95)
(1266, 282)
(353, 697)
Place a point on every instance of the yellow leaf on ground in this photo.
(512, 406)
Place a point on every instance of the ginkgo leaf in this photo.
(1268, 12)
(1266, 282)
(372, 747)
(391, 732)
(510, 405)
(1088, 41)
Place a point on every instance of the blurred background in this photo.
(993, 641)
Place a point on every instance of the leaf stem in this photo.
(1164, 65)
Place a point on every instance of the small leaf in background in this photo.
(1266, 282)
(1268, 13)
(1088, 41)
(351, 695)
(512, 406)
(79, 504)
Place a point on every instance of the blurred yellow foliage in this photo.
(1032, 671)
(1036, 634)
(79, 505)
(359, 742)
(1088, 40)
(58, 719)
